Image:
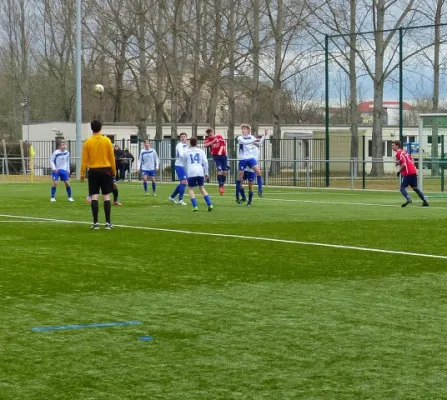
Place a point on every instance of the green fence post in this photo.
(363, 164)
(442, 163)
(326, 83)
(173, 157)
(294, 162)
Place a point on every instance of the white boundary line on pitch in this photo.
(334, 246)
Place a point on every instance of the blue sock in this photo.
(242, 190)
(224, 178)
(194, 202)
(259, 180)
(220, 180)
(208, 200)
(154, 186)
(238, 188)
(53, 191)
(404, 192)
(69, 191)
(175, 192)
(250, 196)
(419, 193)
(181, 191)
(145, 186)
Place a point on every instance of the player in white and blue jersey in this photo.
(60, 169)
(247, 157)
(149, 165)
(196, 165)
(249, 176)
(180, 150)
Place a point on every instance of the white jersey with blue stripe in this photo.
(247, 149)
(196, 163)
(149, 160)
(60, 160)
(180, 150)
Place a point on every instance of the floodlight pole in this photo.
(78, 90)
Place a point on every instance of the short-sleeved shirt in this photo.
(219, 147)
(406, 162)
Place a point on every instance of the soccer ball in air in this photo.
(99, 88)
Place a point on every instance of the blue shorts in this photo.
(196, 181)
(180, 171)
(249, 176)
(221, 163)
(410, 180)
(251, 162)
(148, 173)
(62, 174)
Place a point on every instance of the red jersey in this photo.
(219, 147)
(407, 162)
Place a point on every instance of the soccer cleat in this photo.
(108, 226)
(195, 209)
(70, 199)
(243, 200)
(53, 200)
(117, 203)
(210, 208)
(407, 202)
(89, 199)
(181, 203)
(425, 203)
(238, 201)
(155, 194)
(221, 190)
(248, 204)
(260, 194)
(95, 226)
(173, 200)
(146, 193)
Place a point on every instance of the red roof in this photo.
(368, 106)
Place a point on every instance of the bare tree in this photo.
(380, 8)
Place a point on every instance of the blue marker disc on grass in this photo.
(146, 338)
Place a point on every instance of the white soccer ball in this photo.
(99, 88)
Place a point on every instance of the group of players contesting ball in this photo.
(191, 166)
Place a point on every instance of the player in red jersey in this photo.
(409, 174)
(219, 153)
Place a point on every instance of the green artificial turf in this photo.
(241, 303)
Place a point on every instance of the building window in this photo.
(386, 149)
(430, 139)
(133, 139)
(112, 138)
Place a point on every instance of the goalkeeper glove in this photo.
(398, 173)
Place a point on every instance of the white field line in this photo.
(264, 239)
(415, 205)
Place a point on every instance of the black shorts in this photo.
(100, 179)
(410, 180)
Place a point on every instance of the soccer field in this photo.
(309, 294)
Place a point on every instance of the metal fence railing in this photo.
(343, 173)
(302, 164)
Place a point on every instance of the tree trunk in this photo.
(436, 76)
(142, 123)
(276, 142)
(231, 92)
(256, 69)
(160, 76)
(377, 141)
